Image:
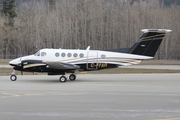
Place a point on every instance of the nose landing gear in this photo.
(13, 76)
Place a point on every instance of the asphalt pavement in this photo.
(91, 97)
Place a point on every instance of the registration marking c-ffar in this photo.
(99, 65)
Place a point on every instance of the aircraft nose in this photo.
(15, 62)
(12, 63)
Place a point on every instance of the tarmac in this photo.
(91, 97)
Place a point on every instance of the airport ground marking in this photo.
(10, 94)
(168, 119)
(6, 95)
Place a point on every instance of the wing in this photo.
(49, 64)
(61, 65)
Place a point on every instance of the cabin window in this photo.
(75, 55)
(57, 54)
(63, 54)
(103, 56)
(43, 54)
(37, 53)
(81, 55)
(69, 54)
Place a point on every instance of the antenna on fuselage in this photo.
(88, 48)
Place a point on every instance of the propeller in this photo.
(22, 65)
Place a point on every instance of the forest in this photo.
(29, 25)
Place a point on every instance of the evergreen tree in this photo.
(51, 4)
(9, 12)
(4, 10)
(170, 2)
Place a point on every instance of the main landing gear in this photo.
(63, 78)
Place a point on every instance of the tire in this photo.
(62, 79)
(72, 77)
(13, 77)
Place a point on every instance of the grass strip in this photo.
(7, 71)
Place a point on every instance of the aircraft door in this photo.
(92, 60)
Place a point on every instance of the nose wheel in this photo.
(13, 77)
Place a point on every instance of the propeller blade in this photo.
(22, 65)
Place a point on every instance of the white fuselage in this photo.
(83, 56)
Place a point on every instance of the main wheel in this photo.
(13, 77)
(72, 77)
(62, 79)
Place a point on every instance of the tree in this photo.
(102, 24)
(51, 4)
(9, 12)
(170, 2)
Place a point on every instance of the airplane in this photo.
(62, 61)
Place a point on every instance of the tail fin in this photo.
(149, 42)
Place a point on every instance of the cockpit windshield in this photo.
(37, 53)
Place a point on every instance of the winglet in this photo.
(88, 48)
